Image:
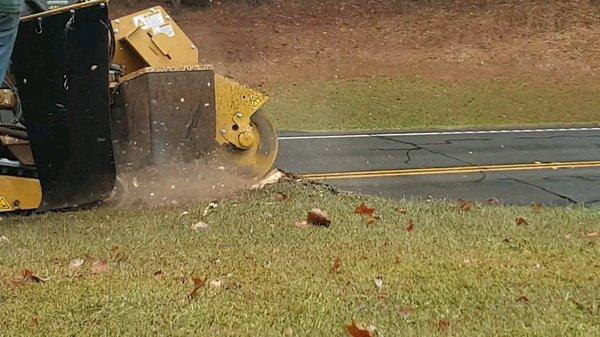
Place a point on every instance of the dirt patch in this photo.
(288, 42)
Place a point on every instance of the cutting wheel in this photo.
(258, 160)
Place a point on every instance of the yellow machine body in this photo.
(150, 42)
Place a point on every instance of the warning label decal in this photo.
(4, 205)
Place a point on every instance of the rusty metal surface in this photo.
(168, 117)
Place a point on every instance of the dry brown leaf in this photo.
(371, 220)
(464, 205)
(410, 226)
(200, 225)
(521, 222)
(28, 275)
(76, 263)
(337, 265)
(159, 273)
(383, 295)
(443, 325)
(492, 202)
(317, 217)
(593, 234)
(378, 282)
(282, 197)
(216, 283)
(198, 283)
(301, 224)
(356, 330)
(401, 210)
(537, 207)
(523, 299)
(405, 312)
(100, 266)
(363, 209)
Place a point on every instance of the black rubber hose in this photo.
(14, 132)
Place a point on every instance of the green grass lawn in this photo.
(478, 270)
(385, 103)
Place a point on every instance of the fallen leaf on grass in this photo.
(443, 325)
(401, 210)
(492, 202)
(371, 220)
(317, 217)
(410, 226)
(356, 330)
(211, 205)
(4, 240)
(378, 282)
(76, 263)
(383, 295)
(521, 222)
(159, 273)
(301, 224)
(282, 197)
(405, 312)
(28, 275)
(337, 265)
(464, 205)
(593, 234)
(523, 299)
(216, 283)
(363, 209)
(200, 225)
(198, 283)
(100, 266)
(537, 207)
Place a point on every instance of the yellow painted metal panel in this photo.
(18, 193)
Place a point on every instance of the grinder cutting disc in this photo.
(258, 160)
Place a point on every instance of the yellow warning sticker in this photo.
(255, 101)
(4, 204)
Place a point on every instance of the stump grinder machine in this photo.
(87, 98)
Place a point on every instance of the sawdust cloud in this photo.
(178, 184)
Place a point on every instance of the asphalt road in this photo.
(550, 166)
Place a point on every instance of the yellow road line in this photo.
(451, 170)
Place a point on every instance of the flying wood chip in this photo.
(521, 222)
(356, 330)
(317, 217)
(363, 209)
